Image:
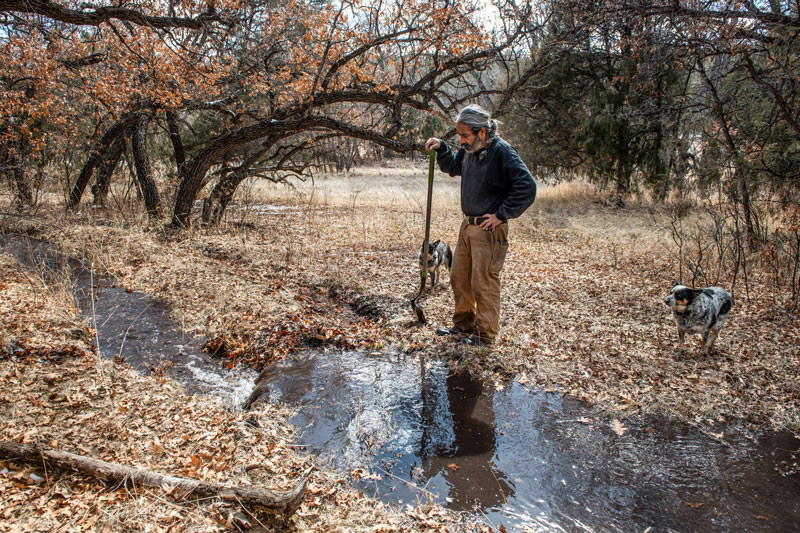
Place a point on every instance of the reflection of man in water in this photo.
(465, 464)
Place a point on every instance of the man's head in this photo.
(475, 127)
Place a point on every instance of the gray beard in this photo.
(474, 147)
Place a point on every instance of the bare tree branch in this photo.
(99, 15)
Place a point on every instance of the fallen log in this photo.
(279, 502)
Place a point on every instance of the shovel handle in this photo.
(432, 161)
(431, 165)
(423, 272)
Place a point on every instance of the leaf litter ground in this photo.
(335, 268)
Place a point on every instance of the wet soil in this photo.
(409, 428)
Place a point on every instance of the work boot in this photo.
(450, 331)
(475, 340)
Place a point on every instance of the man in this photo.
(496, 186)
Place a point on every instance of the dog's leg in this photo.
(681, 336)
(433, 279)
(708, 339)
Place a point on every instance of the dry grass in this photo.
(335, 265)
(36, 313)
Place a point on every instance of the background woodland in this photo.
(166, 144)
(692, 102)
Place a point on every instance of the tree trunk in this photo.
(152, 201)
(194, 175)
(214, 206)
(736, 157)
(192, 178)
(24, 195)
(747, 208)
(622, 172)
(96, 157)
(177, 142)
(283, 502)
(106, 170)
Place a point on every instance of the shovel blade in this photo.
(418, 311)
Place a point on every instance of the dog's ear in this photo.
(696, 293)
(675, 283)
(436, 243)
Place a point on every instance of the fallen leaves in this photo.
(618, 427)
(582, 312)
(153, 423)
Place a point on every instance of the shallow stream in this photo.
(409, 429)
(133, 327)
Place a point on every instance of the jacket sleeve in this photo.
(449, 161)
(522, 187)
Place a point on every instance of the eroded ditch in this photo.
(409, 429)
(132, 326)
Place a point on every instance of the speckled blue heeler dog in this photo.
(699, 311)
(438, 253)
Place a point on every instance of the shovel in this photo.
(423, 270)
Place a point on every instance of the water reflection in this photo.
(408, 429)
(461, 461)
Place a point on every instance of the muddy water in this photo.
(133, 327)
(408, 429)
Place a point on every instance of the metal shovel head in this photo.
(415, 304)
(418, 311)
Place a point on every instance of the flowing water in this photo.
(133, 327)
(409, 429)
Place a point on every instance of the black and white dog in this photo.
(438, 252)
(699, 311)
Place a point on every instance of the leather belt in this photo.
(476, 221)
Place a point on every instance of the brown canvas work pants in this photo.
(475, 278)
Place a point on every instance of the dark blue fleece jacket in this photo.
(493, 180)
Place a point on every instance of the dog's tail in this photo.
(448, 257)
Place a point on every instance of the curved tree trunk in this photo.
(214, 206)
(106, 169)
(192, 178)
(96, 157)
(194, 174)
(144, 176)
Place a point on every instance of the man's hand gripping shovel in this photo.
(423, 269)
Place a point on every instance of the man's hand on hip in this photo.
(491, 222)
